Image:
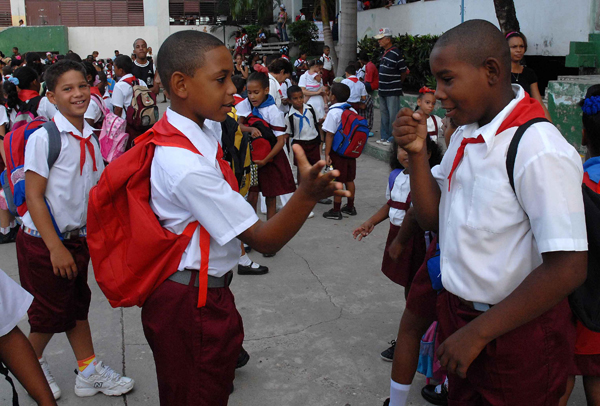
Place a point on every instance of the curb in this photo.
(377, 152)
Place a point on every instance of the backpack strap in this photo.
(392, 178)
(54, 143)
(291, 120)
(511, 156)
(312, 110)
(4, 371)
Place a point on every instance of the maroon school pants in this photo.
(527, 366)
(195, 349)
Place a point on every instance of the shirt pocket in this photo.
(493, 206)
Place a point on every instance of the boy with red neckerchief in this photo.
(510, 257)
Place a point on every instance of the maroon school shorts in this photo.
(311, 148)
(327, 76)
(275, 178)
(403, 271)
(422, 297)
(346, 166)
(57, 302)
(195, 349)
(527, 366)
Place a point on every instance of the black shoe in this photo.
(11, 236)
(388, 355)
(346, 210)
(268, 255)
(332, 214)
(248, 270)
(243, 358)
(325, 201)
(387, 402)
(430, 395)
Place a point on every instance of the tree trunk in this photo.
(349, 36)
(327, 34)
(507, 15)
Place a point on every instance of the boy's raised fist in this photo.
(410, 130)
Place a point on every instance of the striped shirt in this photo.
(390, 71)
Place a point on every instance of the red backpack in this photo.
(131, 252)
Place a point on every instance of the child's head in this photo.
(140, 49)
(281, 69)
(399, 157)
(239, 82)
(15, 50)
(303, 55)
(258, 88)
(192, 65)
(123, 65)
(591, 120)
(326, 50)
(103, 82)
(517, 43)
(339, 93)
(471, 63)
(72, 56)
(363, 57)
(238, 59)
(350, 70)
(315, 65)
(90, 72)
(68, 88)
(426, 100)
(295, 95)
(28, 78)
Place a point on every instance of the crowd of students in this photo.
(488, 240)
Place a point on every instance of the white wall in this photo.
(85, 40)
(229, 30)
(549, 25)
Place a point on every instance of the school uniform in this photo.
(106, 97)
(491, 239)
(283, 88)
(402, 271)
(14, 304)
(59, 302)
(346, 166)
(434, 127)
(304, 132)
(328, 74)
(357, 91)
(275, 178)
(196, 349)
(308, 82)
(274, 87)
(123, 93)
(94, 112)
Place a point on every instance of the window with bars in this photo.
(5, 14)
(85, 13)
(195, 12)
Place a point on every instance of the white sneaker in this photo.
(105, 380)
(311, 215)
(51, 382)
(380, 141)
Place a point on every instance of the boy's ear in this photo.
(179, 85)
(50, 96)
(493, 70)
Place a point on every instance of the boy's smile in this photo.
(71, 95)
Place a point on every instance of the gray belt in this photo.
(183, 277)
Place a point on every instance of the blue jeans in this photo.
(282, 32)
(389, 107)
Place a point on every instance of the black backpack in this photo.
(585, 300)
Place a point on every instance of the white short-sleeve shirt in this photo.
(270, 114)
(431, 127)
(357, 89)
(283, 94)
(309, 129)
(399, 194)
(67, 191)
(187, 187)
(107, 99)
(123, 93)
(93, 111)
(46, 109)
(491, 239)
(334, 118)
(327, 63)
(274, 87)
(14, 302)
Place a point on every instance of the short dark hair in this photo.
(124, 62)
(363, 56)
(519, 35)
(314, 62)
(279, 65)
(139, 39)
(239, 83)
(341, 92)
(90, 70)
(184, 52)
(260, 77)
(351, 69)
(293, 89)
(17, 48)
(325, 47)
(475, 41)
(54, 72)
(72, 56)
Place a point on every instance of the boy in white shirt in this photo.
(123, 91)
(511, 251)
(328, 74)
(358, 92)
(52, 253)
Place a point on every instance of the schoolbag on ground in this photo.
(351, 136)
(142, 113)
(131, 252)
(26, 113)
(236, 150)
(113, 134)
(13, 178)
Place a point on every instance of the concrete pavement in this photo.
(315, 324)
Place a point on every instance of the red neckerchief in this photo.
(25, 95)
(352, 79)
(527, 109)
(237, 99)
(83, 142)
(165, 128)
(130, 80)
(94, 90)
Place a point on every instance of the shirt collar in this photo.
(205, 139)
(129, 75)
(488, 131)
(592, 167)
(337, 105)
(293, 110)
(65, 125)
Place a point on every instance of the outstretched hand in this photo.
(363, 230)
(314, 184)
(410, 130)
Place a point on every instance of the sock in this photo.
(398, 393)
(350, 203)
(245, 260)
(86, 366)
(337, 206)
(4, 230)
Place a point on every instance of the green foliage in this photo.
(252, 31)
(416, 50)
(304, 33)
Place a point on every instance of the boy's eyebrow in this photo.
(443, 72)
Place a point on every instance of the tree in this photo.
(507, 16)
(327, 34)
(348, 38)
(238, 9)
